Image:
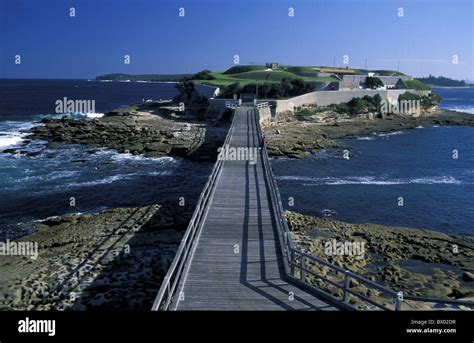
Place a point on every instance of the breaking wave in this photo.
(371, 180)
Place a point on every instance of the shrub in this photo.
(358, 105)
(274, 92)
(263, 90)
(230, 90)
(427, 101)
(373, 82)
(286, 88)
(202, 75)
(185, 90)
(250, 88)
(305, 112)
(342, 108)
(431, 100)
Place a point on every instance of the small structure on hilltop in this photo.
(272, 65)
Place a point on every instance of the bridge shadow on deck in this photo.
(268, 283)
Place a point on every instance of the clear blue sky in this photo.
(54, 45)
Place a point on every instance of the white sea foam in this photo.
(466, 109)
(55, 175)
(94, 115)
(107, 180)
(365, 138)
(124, 157)
(9, 140)
(11, 135)
(327, 212)
(112, 179)
(100, 209)
(395, 133)
(371, 180)
(79, 115)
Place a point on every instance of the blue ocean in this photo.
(40, 186)
(457, 99)
(417, 165)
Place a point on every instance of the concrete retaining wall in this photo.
(326, 98)
(354, 81)
(206, 90)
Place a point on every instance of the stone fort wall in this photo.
(326, 98)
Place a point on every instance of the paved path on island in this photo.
(237, 264)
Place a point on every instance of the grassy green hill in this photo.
(417, 84)
(248, 74)
(243, 68)
(388, 72)
(252, 74)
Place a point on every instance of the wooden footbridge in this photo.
(237, 252)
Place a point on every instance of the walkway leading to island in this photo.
(236, 261)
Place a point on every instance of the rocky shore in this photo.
(416, 262)
(146, 129)
(299, 136)
(115, 260)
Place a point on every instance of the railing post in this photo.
(398, 305)
(302, 267)
(346, 287)
(292, 259)
(398, 301)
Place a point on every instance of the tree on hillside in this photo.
(373, 82)
(300, 87)
(274, 92)
(186, 91)
(234, 88)
(250, 88)
(202, 75)
(263, 90)
(377, 101)
(229, 91)
(285, 87)
(441, 81)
